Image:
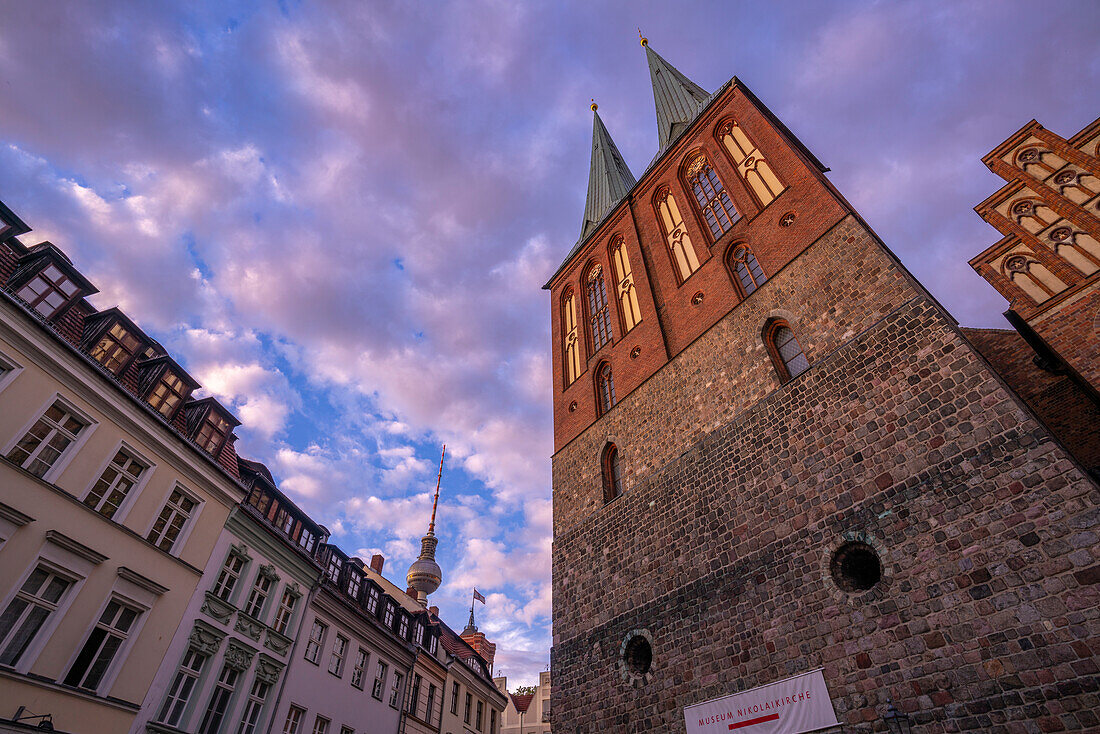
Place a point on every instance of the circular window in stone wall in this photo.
(856, 567)
(636, 657)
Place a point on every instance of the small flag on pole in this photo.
(478, 596)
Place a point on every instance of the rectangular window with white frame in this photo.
(320, 725)
(261, 589)
(316, 641)
(50, 442)
(106, 644)
(362, 658)
(253, 708)
(379, 680)
(25, 616)
(294, 718)
(181, 688)
(229, 575)
(219, 700)
(336, 660)
(395, 689)
(286, 610)
(173, 524)
(118, 484)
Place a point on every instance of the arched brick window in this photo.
(714, 202)
(598, 313)
(744, 269)
(605, 388)
(751, 166)
(570, 343)
(624, 285)
(612, 473)
(676, 235)
(786, 352)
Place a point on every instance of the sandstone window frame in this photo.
(380, 673)
(571, 342)
(109, 626)
(183, 690)
(254, 706)
(359, 669)
(337, 656)
(626, 292)
(294, 717)
(9, 370)
(753, 167)
(316, 642)
(678, 245)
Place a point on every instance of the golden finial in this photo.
(594, 105)
(645, 41)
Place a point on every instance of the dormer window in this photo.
(213, 433)
(115, 349)
(48, 291)
(168, 393)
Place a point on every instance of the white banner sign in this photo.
(791, 706)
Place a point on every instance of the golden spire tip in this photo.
(645, 41)
(594, 106)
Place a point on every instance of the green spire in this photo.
(608, 177)
(677, 98)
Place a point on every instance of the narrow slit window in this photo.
(612, 474)
(605, 388)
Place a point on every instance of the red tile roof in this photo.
(522, 702)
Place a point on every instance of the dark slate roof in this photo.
(609, 178)
(677, 98)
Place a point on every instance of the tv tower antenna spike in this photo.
(435, 502)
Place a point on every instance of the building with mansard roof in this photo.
(778, 461)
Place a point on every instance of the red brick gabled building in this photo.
(776, 452)
(1047, 265)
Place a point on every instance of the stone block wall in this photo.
(740, 491)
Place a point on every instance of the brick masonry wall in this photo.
(1071, 414)
(738, 493)
(841, 286)
(1074, 332)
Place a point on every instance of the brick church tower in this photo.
(775, 452)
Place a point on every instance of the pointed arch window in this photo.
(790, 361)
(713, 200)
(745, 269)
(624, 280)
(572, 350)
(605, 388)
(612, 473)
(598, 311)
(750, 162)
(676, 236)
(1032, 277)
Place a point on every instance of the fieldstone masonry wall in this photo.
(739, 490)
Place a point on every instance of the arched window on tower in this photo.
(744, 269)
(676, 236)
(624, 279)
(787, 354)
(750, 163)
(598, 312)
(612, 473)
(1032, 277)
(714, 202)
(571, 344)
(605, 388)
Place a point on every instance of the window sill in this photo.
(41, 680)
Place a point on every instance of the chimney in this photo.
(434, 611)
(410, 591)
(376, 562)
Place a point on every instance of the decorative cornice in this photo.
(249, 626)
(14, 516)
(64, 541)
(216, 608)
(138, 580)
(204, 638)
(238, 655)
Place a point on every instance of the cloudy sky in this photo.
(338, 215)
